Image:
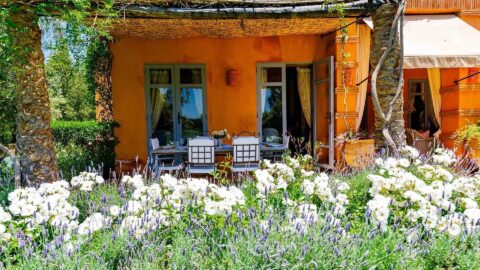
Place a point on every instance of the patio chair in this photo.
(277, 154)
(163, 163)
(162, 167)
(201, 156)
(154, 143)
(246, 154)
(270, 132)
(416, 140)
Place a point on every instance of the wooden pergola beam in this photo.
(232, 12)
(219, 9)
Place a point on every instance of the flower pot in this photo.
(357, 153)
(218, 141)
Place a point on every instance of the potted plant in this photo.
(468, 137)
(218, 135)
(355, 149)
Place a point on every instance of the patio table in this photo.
(221, 150)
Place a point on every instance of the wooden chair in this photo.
(416, 140)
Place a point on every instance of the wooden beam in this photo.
(355, 8)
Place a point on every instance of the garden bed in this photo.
(403, 212)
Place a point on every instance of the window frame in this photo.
(282, 84)
(176, 96)
(426, 98)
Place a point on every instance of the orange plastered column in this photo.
(346, 90)
(460, 101)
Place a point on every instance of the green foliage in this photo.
(70, 96)
(358, 194)
(469, 134)
(7, 92)
(98, 200)
(80, 144)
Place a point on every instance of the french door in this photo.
(176, 102)
(271, 105)
(323, 112)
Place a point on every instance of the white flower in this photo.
(92, 224)
(114, 210)
(168, 181)
(4, 216)
(133, 207)
(136, 181)
(4, 235)
(87, 186)
(308, 187)
(99, 179)
(472, 214)
(410, 152)
(469, 203)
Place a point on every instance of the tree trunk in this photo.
(389, 76)
(35, 146)
(103, 80)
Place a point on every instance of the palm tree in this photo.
(387, 74)
(34, 134)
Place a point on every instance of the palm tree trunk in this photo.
(103, 81)
(389, 80)
(34, 134)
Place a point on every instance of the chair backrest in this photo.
(286, 140)
(270, 132)
(154, 143)
(201, 151)
(246, 149)
(415, 139)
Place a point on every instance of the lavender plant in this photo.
(286, 216)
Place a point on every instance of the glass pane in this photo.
(161, 114)
(271, 102)
(191, 112)
(190, 75)
(160, 76)
(418, 88)
(271, 75)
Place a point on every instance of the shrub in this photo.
(469, 134)
(81, 144)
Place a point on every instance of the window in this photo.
(175, 97)
(271, 102)
(420, 109)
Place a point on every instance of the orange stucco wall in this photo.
(233, 108)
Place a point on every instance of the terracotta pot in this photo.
(357, 153)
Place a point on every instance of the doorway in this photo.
(284, 104)
(298, 127)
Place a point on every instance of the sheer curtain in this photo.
(364, 33)
(435, 82)
(157, 101)
(304, 80)
(198, 97)
(263, 91)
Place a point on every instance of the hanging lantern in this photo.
(231, 77)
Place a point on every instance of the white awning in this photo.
(443, 41)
